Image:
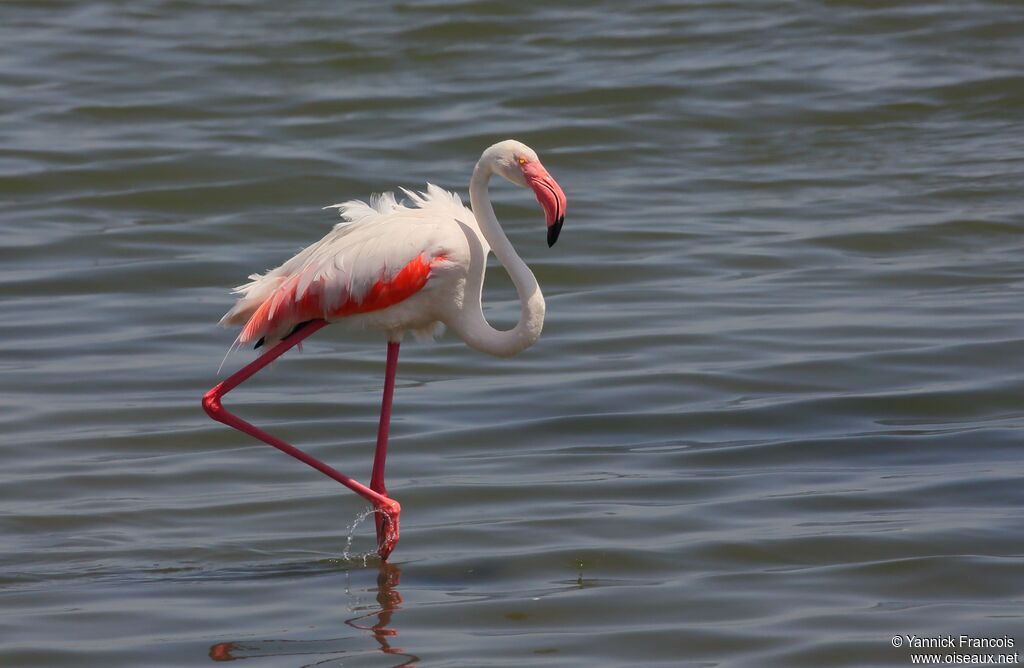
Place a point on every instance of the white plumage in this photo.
(374, 243)
(400, 266)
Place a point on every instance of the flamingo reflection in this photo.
(389, 599)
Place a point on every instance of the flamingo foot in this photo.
(388, 512)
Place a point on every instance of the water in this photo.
(774, 418)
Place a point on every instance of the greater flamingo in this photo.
(396, 267)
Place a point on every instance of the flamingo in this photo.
(395, 267)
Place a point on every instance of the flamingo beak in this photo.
(550, 196)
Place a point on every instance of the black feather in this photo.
(296, 328)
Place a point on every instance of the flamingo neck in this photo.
(472, 326)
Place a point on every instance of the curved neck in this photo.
(472, 326)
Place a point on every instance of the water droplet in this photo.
(346, 554)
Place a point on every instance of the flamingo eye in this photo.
(521, 161)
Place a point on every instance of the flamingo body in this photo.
(395, 267)
(388, 266)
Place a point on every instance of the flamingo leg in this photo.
(381, 453)
(386, 507)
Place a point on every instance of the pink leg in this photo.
(386, 507)
(379, 457)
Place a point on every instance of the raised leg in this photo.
(381, 453)
(386, 507)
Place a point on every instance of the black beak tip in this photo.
(554, 230)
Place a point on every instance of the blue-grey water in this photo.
(775, 417)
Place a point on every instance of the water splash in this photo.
(346, 554)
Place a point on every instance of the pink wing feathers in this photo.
(380, 256)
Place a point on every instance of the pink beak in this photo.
(550, 196)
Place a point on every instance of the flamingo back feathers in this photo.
(381, 254)
(286, 308)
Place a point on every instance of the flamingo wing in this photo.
(382, 254)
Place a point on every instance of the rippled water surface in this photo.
(774, 419)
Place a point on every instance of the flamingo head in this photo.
(519, 163)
